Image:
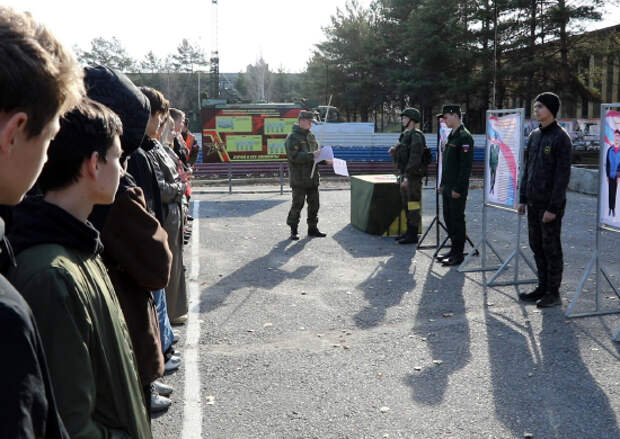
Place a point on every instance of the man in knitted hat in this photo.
(543, 190)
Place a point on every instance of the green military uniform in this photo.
(408, 158)
(456, 169)
(493, 163)
(300, 147)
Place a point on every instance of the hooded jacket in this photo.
(28, 404)
(88, 348)
(136, 249)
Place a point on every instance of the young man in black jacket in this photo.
(543, 191)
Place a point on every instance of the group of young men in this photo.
(86, 251)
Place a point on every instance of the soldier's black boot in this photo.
(456, 258)
(552, 298)
(534, 296)
(409, 238)
(294, 234)
(314, 231)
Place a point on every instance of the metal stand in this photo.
(281, 178)
(516, 255)
(595, 261)
(481, 247)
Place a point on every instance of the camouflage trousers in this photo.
(300, 194)
(411, 197)
(546, 244)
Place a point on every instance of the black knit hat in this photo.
(549, 100)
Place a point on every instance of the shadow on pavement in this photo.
(447, 340)
(263, 272)
(236, 208)
(363, 245)
(545, 388)
(384, 288)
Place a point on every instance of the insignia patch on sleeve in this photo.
(466, 148)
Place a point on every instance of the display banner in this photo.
(244, 143)
(444, 132)
(278, 126)
(503, 156)
(610, 170)
(233, 124)
(276, 146)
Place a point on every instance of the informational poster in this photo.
(610, 170)
(276, 146)
(444, 132)
(278, 126)
(503, 155)
(234, 124)
(244, 143)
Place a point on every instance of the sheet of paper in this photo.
(326, 154)
(340, 167)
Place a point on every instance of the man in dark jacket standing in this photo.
(301, 151)
(543, 190)
(456, 170)
(408, 156)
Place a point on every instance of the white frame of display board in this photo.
(517, 253)
(595, 259)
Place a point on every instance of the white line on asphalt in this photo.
(192, 416)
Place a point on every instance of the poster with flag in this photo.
(610, 169)
(442, 139)
(503, 159)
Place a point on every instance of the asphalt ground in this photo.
(355, 336)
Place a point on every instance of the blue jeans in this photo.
(165, 330)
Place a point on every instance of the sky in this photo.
(283, 32)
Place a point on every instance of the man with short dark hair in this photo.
(39, 81)
(456, 170)
(612, 169)
(301, 151)
(61, 275)
(543, 190)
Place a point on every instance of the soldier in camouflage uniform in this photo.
(301, 150)
(543, 190)
(407, 156)
(456, 169)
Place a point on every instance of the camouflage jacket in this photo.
(409, 152)
(300, 147)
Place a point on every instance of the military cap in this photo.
(305, 114)
(412, 114)
(450, 109)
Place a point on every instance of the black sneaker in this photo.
(444, 257)
(549, 300)
(534, 296)
(399, 237)
(314, 231)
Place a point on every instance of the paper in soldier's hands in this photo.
(326, 153)
(340, 167)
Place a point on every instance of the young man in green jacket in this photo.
(61, 275)
(39, 81)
